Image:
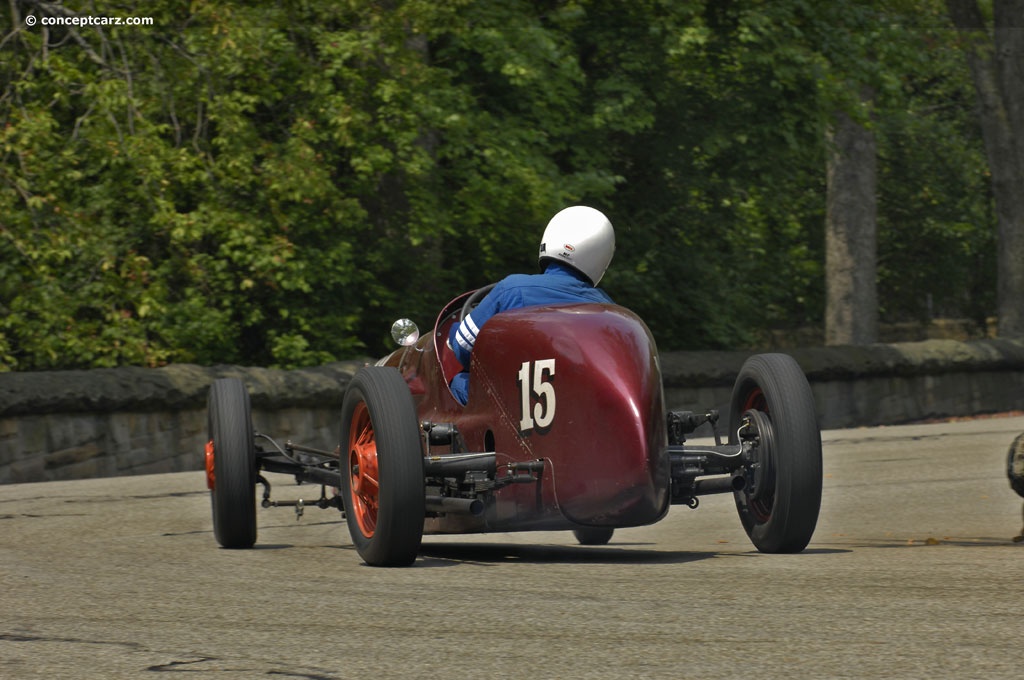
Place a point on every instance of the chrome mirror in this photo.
(405, 332)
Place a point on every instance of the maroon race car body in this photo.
(565, 428)
(575, 386)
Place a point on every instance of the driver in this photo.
(575, 251)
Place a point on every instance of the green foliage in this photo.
(937, 245)
(273, 183)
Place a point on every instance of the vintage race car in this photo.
(565, 428)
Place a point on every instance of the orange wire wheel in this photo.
(382, 475)
(364, 474)
(781, 499)
(209, 461)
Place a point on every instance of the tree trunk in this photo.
(996, 61)
(851, 302)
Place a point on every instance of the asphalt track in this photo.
(912, 573)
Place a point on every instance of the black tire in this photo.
(1015, 465)
(780, 503)
(593, 535)
(232, 472)
(382, 468)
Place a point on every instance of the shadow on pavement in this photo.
(451, 554)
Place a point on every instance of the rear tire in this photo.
(382, 468)
(593, 535)
(780, 503)
(231, 464)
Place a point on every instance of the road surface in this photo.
(912, 573)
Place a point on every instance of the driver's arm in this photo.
(462, 337)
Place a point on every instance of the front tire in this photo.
(780, 502)
(382, 468)
(231, 470)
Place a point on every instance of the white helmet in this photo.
(582, 238)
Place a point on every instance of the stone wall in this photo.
(125, 421)
(106, 422)
(874, 384)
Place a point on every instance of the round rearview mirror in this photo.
(405, 332)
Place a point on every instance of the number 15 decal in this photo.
(536, 385)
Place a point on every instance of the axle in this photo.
(703, 470)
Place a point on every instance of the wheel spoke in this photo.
(363, 472)
(211, 477)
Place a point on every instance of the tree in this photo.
(995, 55)
(865, 51)
(252, 183)
(851, 233)
(273, 183)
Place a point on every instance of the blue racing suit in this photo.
(558, 284)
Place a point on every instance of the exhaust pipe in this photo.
(460, 506)
(457, 464)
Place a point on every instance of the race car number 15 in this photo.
(535, 384)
